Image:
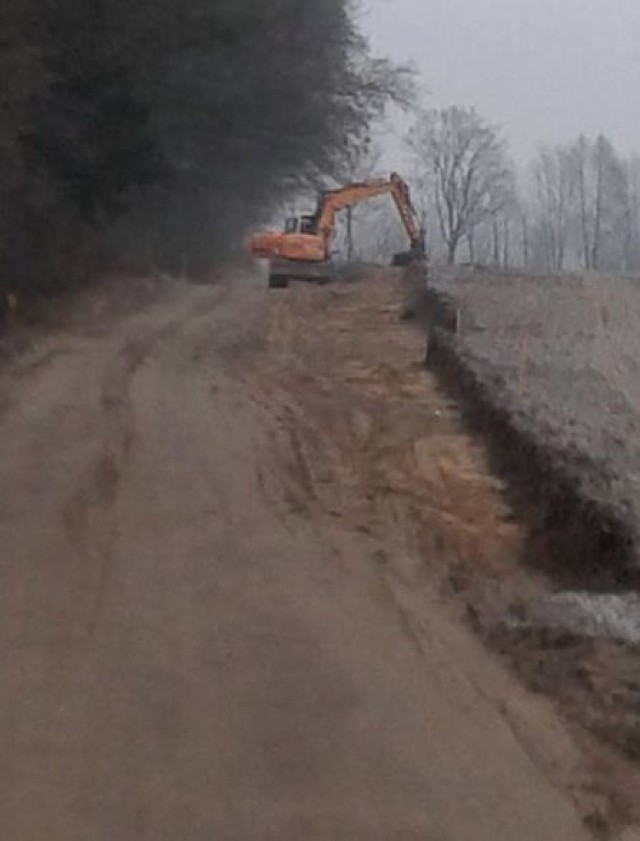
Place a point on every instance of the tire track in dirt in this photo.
(89, 515)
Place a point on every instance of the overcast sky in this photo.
(545, 70)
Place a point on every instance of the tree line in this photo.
(582, 208)
(576, 206)
(156, 132)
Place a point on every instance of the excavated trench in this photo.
(578, 538)
(577, 638)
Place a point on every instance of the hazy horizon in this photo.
(545, 72)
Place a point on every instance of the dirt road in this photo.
(218, 615)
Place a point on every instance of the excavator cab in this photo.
(308, 224)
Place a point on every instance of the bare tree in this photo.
(471, 243)
(553, 194)
(495, 238)
(469, 173)
(620, 214)
(598, 176)
(628, 228)
(526, 243)
(506, 242)
(522, 218)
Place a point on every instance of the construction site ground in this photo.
(245, 540)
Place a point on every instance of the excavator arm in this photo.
(334, 201)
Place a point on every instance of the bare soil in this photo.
(242, 535)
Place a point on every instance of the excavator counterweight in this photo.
(303, 250)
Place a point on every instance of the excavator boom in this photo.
(337, 200)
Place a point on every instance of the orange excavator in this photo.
(303, 250)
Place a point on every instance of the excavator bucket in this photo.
(416, 254)
(403, 258)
